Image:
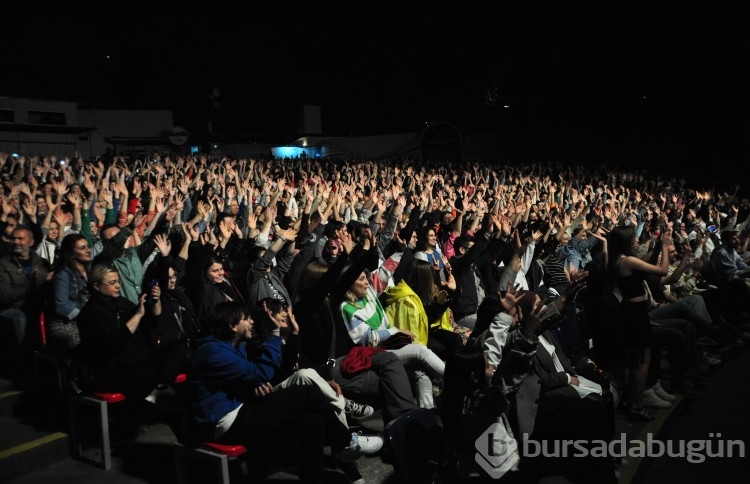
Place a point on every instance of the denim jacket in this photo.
(70, 293)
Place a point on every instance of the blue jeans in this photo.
(692, 308)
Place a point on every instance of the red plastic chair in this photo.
(217, 456)
(93, 408)
(43, 329)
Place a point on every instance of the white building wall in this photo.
(62, 145)
(124, 123)
(22, 106)
(103, 122)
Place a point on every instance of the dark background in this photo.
(648, 83)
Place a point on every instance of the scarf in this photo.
(368, 310)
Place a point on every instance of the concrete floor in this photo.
(149, 458)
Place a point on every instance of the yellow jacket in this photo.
(405, 310)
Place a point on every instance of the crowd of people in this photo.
(299, 295)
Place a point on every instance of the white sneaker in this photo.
(651, 400)
(358, 410)
(366, 444)
(151, 397)
(662, 393)
(159, 393)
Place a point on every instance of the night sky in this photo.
(628, 78)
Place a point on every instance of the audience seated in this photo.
(24, 284)
(233, 402)
(70, 294)
(355, 252)
(114, 355)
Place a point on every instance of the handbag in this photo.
(396, 341)
(359, 359)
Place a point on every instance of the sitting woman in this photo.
(48, 249)
(71, 292)
(114, 353)
(275, 314)
(428, 249)
(420, 306)
(367, 324)
(232, 400)
(325, 343)
(211, 284)
(173, 325)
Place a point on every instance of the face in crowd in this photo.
(109, 285)
(215, 273)
(172, 279)
(22, 240)
(359, 288)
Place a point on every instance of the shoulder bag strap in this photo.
(331, 361)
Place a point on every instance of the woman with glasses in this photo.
(114, 353)
(172, 327)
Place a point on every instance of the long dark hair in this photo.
(421, 280)
(162, 273)
(619, 242)
(422, 232)
(66, 254)
(207, 262)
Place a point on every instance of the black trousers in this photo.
(672, 339)
(385, 385)
(563, 415)
(443, 342)
(291, 424)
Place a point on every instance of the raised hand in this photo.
(194, 232)
(29, 207)
(75, 199)
(163, 243)
(59, 216)
(186, 231)
(160, 205)
(226, 228)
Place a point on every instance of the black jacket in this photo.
(107, 345)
